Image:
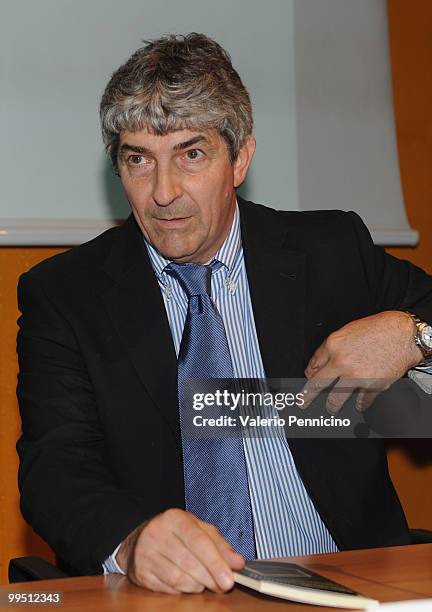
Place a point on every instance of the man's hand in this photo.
(369, 354)
(175, 552)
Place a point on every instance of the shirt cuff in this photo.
(110, 565)
(422, 376)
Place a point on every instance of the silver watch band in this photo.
(426, 351)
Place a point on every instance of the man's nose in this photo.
(166, 187)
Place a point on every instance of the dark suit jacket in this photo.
(101, 449)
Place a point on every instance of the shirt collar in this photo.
(229, 250)
(227, 254)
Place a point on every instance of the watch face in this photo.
(427, 336)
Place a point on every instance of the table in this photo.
(387, 574)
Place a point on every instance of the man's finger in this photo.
(339, 394)
(147, 579)
(233, 558)
(317, 383)
(369, 393)
(318, 360)
(175, 550)
(203, 547)
(155, 584)
(177, 576)
(366, 398)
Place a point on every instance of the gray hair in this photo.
(177, 82)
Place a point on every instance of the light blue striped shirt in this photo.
(285, 519)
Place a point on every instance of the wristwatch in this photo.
(423, 339)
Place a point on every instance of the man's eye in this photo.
(194, 154)
(136, 160)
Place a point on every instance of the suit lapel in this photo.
(135, 305)
(277, 282)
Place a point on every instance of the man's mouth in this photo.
(173, 221)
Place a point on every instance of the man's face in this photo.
(181, 188)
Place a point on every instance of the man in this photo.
(110, 331)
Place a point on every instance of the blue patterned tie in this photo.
(216, 484)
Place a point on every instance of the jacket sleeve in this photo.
(69, 494)
(396, 284)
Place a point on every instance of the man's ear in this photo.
(243, 161)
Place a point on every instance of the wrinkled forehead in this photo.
(173, 141)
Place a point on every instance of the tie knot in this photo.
(194, 278)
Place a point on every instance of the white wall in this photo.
(346, 140)
(305, 63)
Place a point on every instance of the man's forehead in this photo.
(172, 140)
